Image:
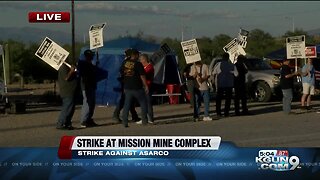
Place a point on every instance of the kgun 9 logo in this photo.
(277, 160)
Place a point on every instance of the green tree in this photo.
(218, 42)
(298, 32)
(261, 43)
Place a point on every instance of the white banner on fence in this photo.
(51, 53)
(96, 35)
(191, 51)
(296, 47)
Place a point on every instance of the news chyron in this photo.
(96, 147)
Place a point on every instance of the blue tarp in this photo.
(110, 59)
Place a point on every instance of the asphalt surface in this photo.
(267, 127)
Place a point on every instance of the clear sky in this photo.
(166, 19)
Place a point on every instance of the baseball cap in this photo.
(88, 52)
(135, 51)
(128, 52)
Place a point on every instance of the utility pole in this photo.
(73, 61)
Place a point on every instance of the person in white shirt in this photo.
(200, 72)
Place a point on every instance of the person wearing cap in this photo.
(119, 107)
(68, 82)
(88, 81)
(286, 84)
(135, 86)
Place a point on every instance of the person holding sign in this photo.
(224, 72)
(286, 83)
(68, 84)
(308, 81)
(200, 72)
(87, 72)
(135, 86)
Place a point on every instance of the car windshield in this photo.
(257, 64)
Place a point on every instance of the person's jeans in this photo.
(140, 96)
(206, 100)
(67, 111)
(149, 106)
(190, 86)
(286, 100)
(120, 105)
(228, 94)
(89, 103)
(240, 94)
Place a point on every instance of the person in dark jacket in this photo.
(240, 87)
(87, 72)
(286, 83)
(224, 73)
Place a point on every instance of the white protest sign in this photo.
(191, 51)
(296, 47)
(242, 38)
(51, 53)
(96, 35)
(234, 50)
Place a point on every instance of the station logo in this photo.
(277, 160)
(49, 17)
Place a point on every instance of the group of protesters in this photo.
(136, 77)
(225, 76)
(308, 85)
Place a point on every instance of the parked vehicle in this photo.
(263, 82)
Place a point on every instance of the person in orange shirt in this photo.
(148, 68)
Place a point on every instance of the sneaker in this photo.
(303, 108)
(207, 118)
(83, 125)
(196, 119)
(60, 127)
(69, 127)
(116, 119)
(150, 122)
(136, 119)
(318, 111)
(91, 124)
(139, 122)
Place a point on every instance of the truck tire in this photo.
(262, 92)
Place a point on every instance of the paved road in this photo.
(269, 127)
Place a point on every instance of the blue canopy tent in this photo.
(111, 57)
